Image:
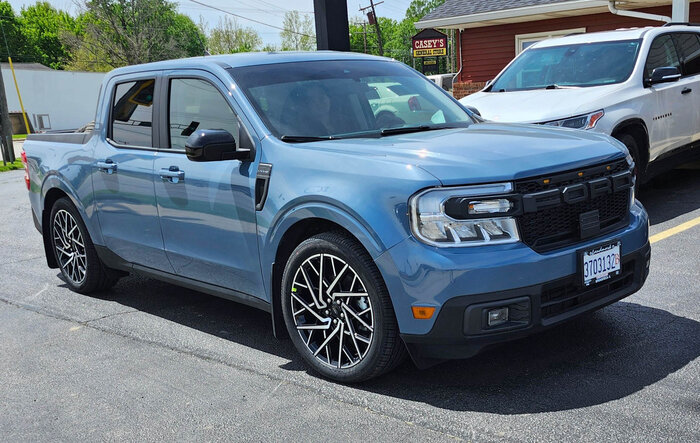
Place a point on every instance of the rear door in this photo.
(207, 212)
(122, 175)
(688, 44)
(671, 121)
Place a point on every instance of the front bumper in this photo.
(460, 330)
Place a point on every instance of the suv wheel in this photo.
(75, 253)
(337, 310)
(632, 146)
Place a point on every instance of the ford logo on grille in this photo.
(577, 193)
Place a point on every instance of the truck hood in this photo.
(539, 105)
(485, 152)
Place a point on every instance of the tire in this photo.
(356, 336)
(632, 146)
(75, 253)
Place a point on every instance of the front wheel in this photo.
(75, 253)
(337, 310)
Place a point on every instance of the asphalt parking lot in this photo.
(151, 361)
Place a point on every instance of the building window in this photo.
(524, 41)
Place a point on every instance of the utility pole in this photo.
(372, 17)
(8, 151)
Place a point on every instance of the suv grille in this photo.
(558, 226)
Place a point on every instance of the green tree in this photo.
(43, 27)
(298, 34)
(127, 32)
(228, 38)
(419, 8)
(13, 39)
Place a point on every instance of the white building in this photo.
(53, 99)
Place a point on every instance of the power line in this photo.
(250, 19)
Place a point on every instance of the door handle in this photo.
(107, 166)
(686, 91)
(173, 174)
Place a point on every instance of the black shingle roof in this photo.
(456, 8)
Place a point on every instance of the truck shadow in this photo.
(601, 357)
(672, 194)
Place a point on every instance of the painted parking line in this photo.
(675, 230)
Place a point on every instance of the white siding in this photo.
(69, 98)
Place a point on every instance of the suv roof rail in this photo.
(680, 24)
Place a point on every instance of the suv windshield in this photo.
(580, 65)
(316, 100)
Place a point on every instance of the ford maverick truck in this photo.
(368, 233)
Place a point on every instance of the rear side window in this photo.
(132, 113)
(689, 47)
(661, 55)
(197, 104)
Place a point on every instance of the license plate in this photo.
(601, 263)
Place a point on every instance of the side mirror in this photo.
(664, 75)
(473, 110)
(488, 83)
(210, 145)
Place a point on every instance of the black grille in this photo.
(565, 296)
(558, 226)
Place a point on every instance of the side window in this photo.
(132, 113)
(196, 104)
(689, 47)
(661, 54)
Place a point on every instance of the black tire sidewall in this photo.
(92, 273)
(367, 368)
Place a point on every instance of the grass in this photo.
(11, 166)
(19, 136)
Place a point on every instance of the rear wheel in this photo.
(337, 310)
(75, 253)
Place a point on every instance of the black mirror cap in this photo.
(664, 74)
(473, 110)
(209, 145)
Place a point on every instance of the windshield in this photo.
(329, 99)
(581, 65)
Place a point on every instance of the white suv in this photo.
(642, 86)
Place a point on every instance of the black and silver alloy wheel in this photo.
(332, 311)
(70, 247)
(337, 309)
(74, 251)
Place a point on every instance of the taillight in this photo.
(26, 170)
(414, 104)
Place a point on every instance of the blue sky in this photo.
(266, 11)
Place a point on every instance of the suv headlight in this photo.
(465, 216)
(587, 121)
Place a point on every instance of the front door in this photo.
(122, 176)
(672, 117)
(207, 209)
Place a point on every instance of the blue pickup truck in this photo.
(369, 228)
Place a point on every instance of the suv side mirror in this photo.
(210, 145)
(664, 75)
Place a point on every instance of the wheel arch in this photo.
(636, 128)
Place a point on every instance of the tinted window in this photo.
(132, 113)
(576, 65)
(689, 47)
(345, 98)
(662, 54)
(197, 104)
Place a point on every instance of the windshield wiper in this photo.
(410, 129)
(556, 86)
(306, 138)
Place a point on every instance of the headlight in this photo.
(587, 121)
(465, 216)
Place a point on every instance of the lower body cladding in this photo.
(493, 294)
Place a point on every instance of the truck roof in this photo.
(616, 35)
(246, 59)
